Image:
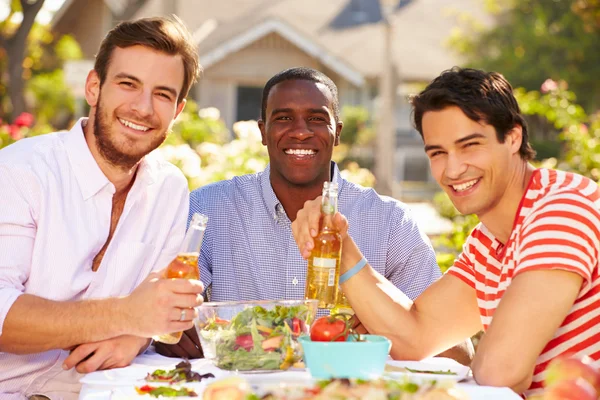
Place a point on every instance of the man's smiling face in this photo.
(300, 131)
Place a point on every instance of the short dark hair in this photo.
(304, 74)
(167, 35)
(482, 96)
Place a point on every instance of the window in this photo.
(248, 103)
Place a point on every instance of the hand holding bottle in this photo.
(185, 266)
(306, 226)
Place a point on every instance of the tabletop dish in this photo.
(254, 336)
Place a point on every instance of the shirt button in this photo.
(295, 281)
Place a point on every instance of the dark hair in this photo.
(167, 35)
(304, 74)
(482, 96)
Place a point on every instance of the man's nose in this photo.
(142, 104)
(301, 130)
(455, 166)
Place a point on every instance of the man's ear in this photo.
(92, 88)
(263, 135)
(515, 135)
(338, 132)
(180, 108)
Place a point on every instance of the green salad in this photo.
(257, 338)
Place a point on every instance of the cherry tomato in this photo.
(329, 329)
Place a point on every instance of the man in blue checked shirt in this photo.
(249, 252)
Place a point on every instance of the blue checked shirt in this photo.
(249, 252)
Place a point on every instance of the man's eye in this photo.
(470, 144)
(128, 84)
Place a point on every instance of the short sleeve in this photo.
(562, 232)
(464, 267)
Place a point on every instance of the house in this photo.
(242, 43)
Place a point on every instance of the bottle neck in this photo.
(327, 222)
(328, 210)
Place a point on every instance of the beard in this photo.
(118, 150)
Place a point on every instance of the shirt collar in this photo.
(269, 196)
(89, 176)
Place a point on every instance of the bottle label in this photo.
(328, 263)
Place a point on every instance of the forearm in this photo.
(383, 309)
(34, 324)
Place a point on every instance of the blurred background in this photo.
(378, 52)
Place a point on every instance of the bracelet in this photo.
(353, 271)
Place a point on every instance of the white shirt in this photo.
(55, 213)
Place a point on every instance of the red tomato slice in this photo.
(245, 342)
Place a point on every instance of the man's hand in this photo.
(111, 353)
(188, 347)
(306, 226)
(161, 306)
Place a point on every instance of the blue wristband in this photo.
(353, 271)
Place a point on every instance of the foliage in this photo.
(195, 126)
(535, 39)
(47, 95)
(450, 244)
(357, 126)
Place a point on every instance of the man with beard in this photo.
(249, 251)
(87, 217)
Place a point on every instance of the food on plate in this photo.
(434, 372)
(257, 338)
(395, 368)
(231, 388)
(182, 373)
(336, 389)
(165, 391)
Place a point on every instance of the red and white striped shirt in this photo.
(557, 227)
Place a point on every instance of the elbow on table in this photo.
(492, 374)
(408, 351)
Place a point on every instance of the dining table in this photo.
(118, 384)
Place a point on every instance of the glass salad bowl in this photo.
(254, 336)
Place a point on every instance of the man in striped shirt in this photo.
(528, 274)
(249, 252)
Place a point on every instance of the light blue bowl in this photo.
(350, 359)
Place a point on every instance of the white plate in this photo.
(430, 364)
(129, 392)
(135, 375)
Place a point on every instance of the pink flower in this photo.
(549, 86)
(15, 132)
(24, 120)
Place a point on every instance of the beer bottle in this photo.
(324, 261)
(185, 265)
(342, 306)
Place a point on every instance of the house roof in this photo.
(346, 35)
(349, 31)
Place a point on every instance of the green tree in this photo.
(40, 84)
(12, 42)
(536, 39)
